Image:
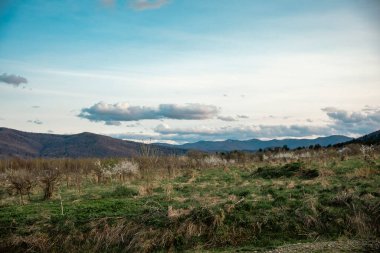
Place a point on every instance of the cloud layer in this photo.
(12, 79)
(239, 132)
(360, 122)
(342, 122)
(113, 114)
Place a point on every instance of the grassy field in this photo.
(218, 206)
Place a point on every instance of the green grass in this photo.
(238, 207)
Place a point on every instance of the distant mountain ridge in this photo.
(256, 144)
(14, 143)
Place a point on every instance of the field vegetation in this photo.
(198, 202)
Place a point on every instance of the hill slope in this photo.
(372, 138)
(255, 144)
(24, 144)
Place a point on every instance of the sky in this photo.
(181, 71)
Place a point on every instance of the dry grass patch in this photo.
(194, 174)
(291, 185)
(363, 173)
(146, 190)
(208, 200)
(180, 199)
(175, 213)
(325, 183)
(279, 182)
(325, 172)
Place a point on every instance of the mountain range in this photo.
(14, 143)
(256, 144)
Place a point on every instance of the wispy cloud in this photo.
(147, 4)
(113, 123)
(227, 118)
(36, 121)
(113, 113)
(12, 79)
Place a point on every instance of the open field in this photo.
(197, 203)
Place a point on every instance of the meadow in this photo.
(225, 202)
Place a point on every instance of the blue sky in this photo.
(186, 70)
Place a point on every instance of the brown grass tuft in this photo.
(362, 173)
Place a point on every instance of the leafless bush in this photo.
(22, 181)
(49, 179)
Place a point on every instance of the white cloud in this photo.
(113, 113)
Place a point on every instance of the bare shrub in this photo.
(98, 170)
(22, 181)
(49, 179)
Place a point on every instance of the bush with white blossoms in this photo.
(120, 169)
(214, 161)
(126, 167)
(284, 155)
(104, 171)
(368, 152)
(305, 154)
